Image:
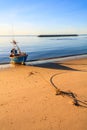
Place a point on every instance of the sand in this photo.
(28, 99)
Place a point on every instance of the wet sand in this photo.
(29, 97)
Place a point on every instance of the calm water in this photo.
(39, 48)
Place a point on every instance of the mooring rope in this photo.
(70, 94)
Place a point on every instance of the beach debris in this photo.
(31, 73)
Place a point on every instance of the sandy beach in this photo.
(50, 96)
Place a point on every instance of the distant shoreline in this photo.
(42, 35)
(59, 35)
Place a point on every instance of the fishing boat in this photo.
(16, 55)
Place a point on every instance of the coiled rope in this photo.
(70, 94)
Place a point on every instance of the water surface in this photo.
(44, 47)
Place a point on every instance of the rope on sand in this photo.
(70, 94)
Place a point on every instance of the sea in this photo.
(39, 48)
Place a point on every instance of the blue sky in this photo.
(43, 16)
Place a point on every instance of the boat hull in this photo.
(21, 59)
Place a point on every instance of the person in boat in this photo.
(14, 52)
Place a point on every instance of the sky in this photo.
(43, 17)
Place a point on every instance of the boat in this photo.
(16, 55)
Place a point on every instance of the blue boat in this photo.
(20, 59)
(16, 55)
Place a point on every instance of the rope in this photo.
(70, 94)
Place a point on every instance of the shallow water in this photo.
(44, 47)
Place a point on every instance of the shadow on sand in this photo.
(55, 66)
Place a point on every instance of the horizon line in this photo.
(10, 35)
